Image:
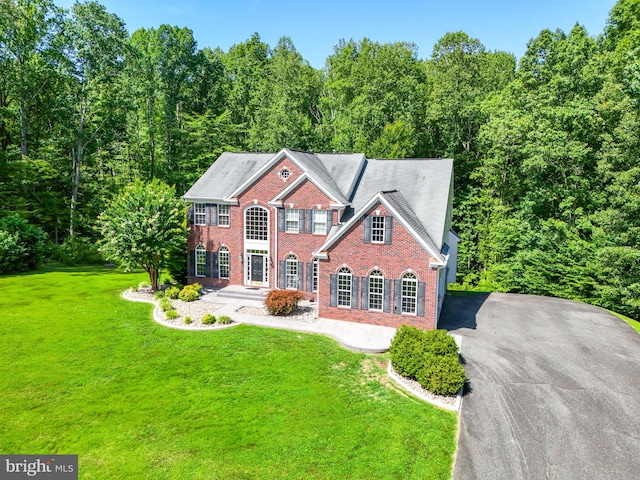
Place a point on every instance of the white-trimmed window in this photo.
(201, 261)
(344, 287)
(320, 222)
(223, 262)
(292, 218)
(409, 293)
(256, 220)
(377, 229)
(315, 275)
(376, 290)
(292, 271)
(224, 219)
(199, 214)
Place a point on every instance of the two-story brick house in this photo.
(369, 240)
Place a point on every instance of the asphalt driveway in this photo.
(554, 389)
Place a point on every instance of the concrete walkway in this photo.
(354, 336)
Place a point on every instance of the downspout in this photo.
(275, 250)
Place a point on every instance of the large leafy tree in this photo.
(143, 227)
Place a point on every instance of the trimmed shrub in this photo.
(171, 314)
(224, 320)
(208, 319)
(165, 304)
(197, 287)
(407, 351)
(282, 302)
(189, 293)
(158, 295)
(187, 320)
(439, 342)
(25, 242)
(441, 374)
(172, 292)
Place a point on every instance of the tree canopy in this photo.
(545, 146)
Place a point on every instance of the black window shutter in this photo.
(364, 295)
(214, 214)
(354, 292)
(190, 215)
(207, 265)
(309, 277)
(420, 299)
(388, 227)
(397, 296)
(192, 262)
(386, 302)
(281, 219)
(309, 221)
(283, 274)
(333, 290)
(329, 221)
(300, 276)
(301, 221)
(215, 265)
(367, 229)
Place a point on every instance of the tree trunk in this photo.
(153, 278)
(77, 163)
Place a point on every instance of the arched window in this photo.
(256, 221)
(344, 287)
(376, 290)
(201, 261)
(409, 293)
(292, 271)
(223, 259)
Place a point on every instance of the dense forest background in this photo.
(546, 147)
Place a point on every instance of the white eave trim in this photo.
(224, 201)
(357, 215)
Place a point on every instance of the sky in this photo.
(316, 27)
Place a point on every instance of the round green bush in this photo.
(171, 314)
(172, 292)
(187, 320)
(208, 319)
(223, 320)
(441, 374)
(407, 351)
(439, 342)
(158, 295)
(165, 304)
(189, 293)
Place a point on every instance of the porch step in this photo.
(245, 293)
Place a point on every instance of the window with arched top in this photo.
(409, 293)
(256, 223)
(344, 287)
(292, 271)
(201, 261)
(376, 290)
(224, 262)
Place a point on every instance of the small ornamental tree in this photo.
(143, 226)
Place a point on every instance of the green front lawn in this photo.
(83, 371)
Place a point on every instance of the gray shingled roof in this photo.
(226, 174)
(418, 189)
(424, 184)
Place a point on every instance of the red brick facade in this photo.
(404, 254)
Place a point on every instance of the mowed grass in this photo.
(83, 371)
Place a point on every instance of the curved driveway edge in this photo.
(554, 389)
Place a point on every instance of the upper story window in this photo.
(292, 222)
(377, 229)
(285, 173)
(409, 293)
(199, 214)
(201, 261)
(223, 215)
(320, 222)
(344, 287)
(256, 221)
